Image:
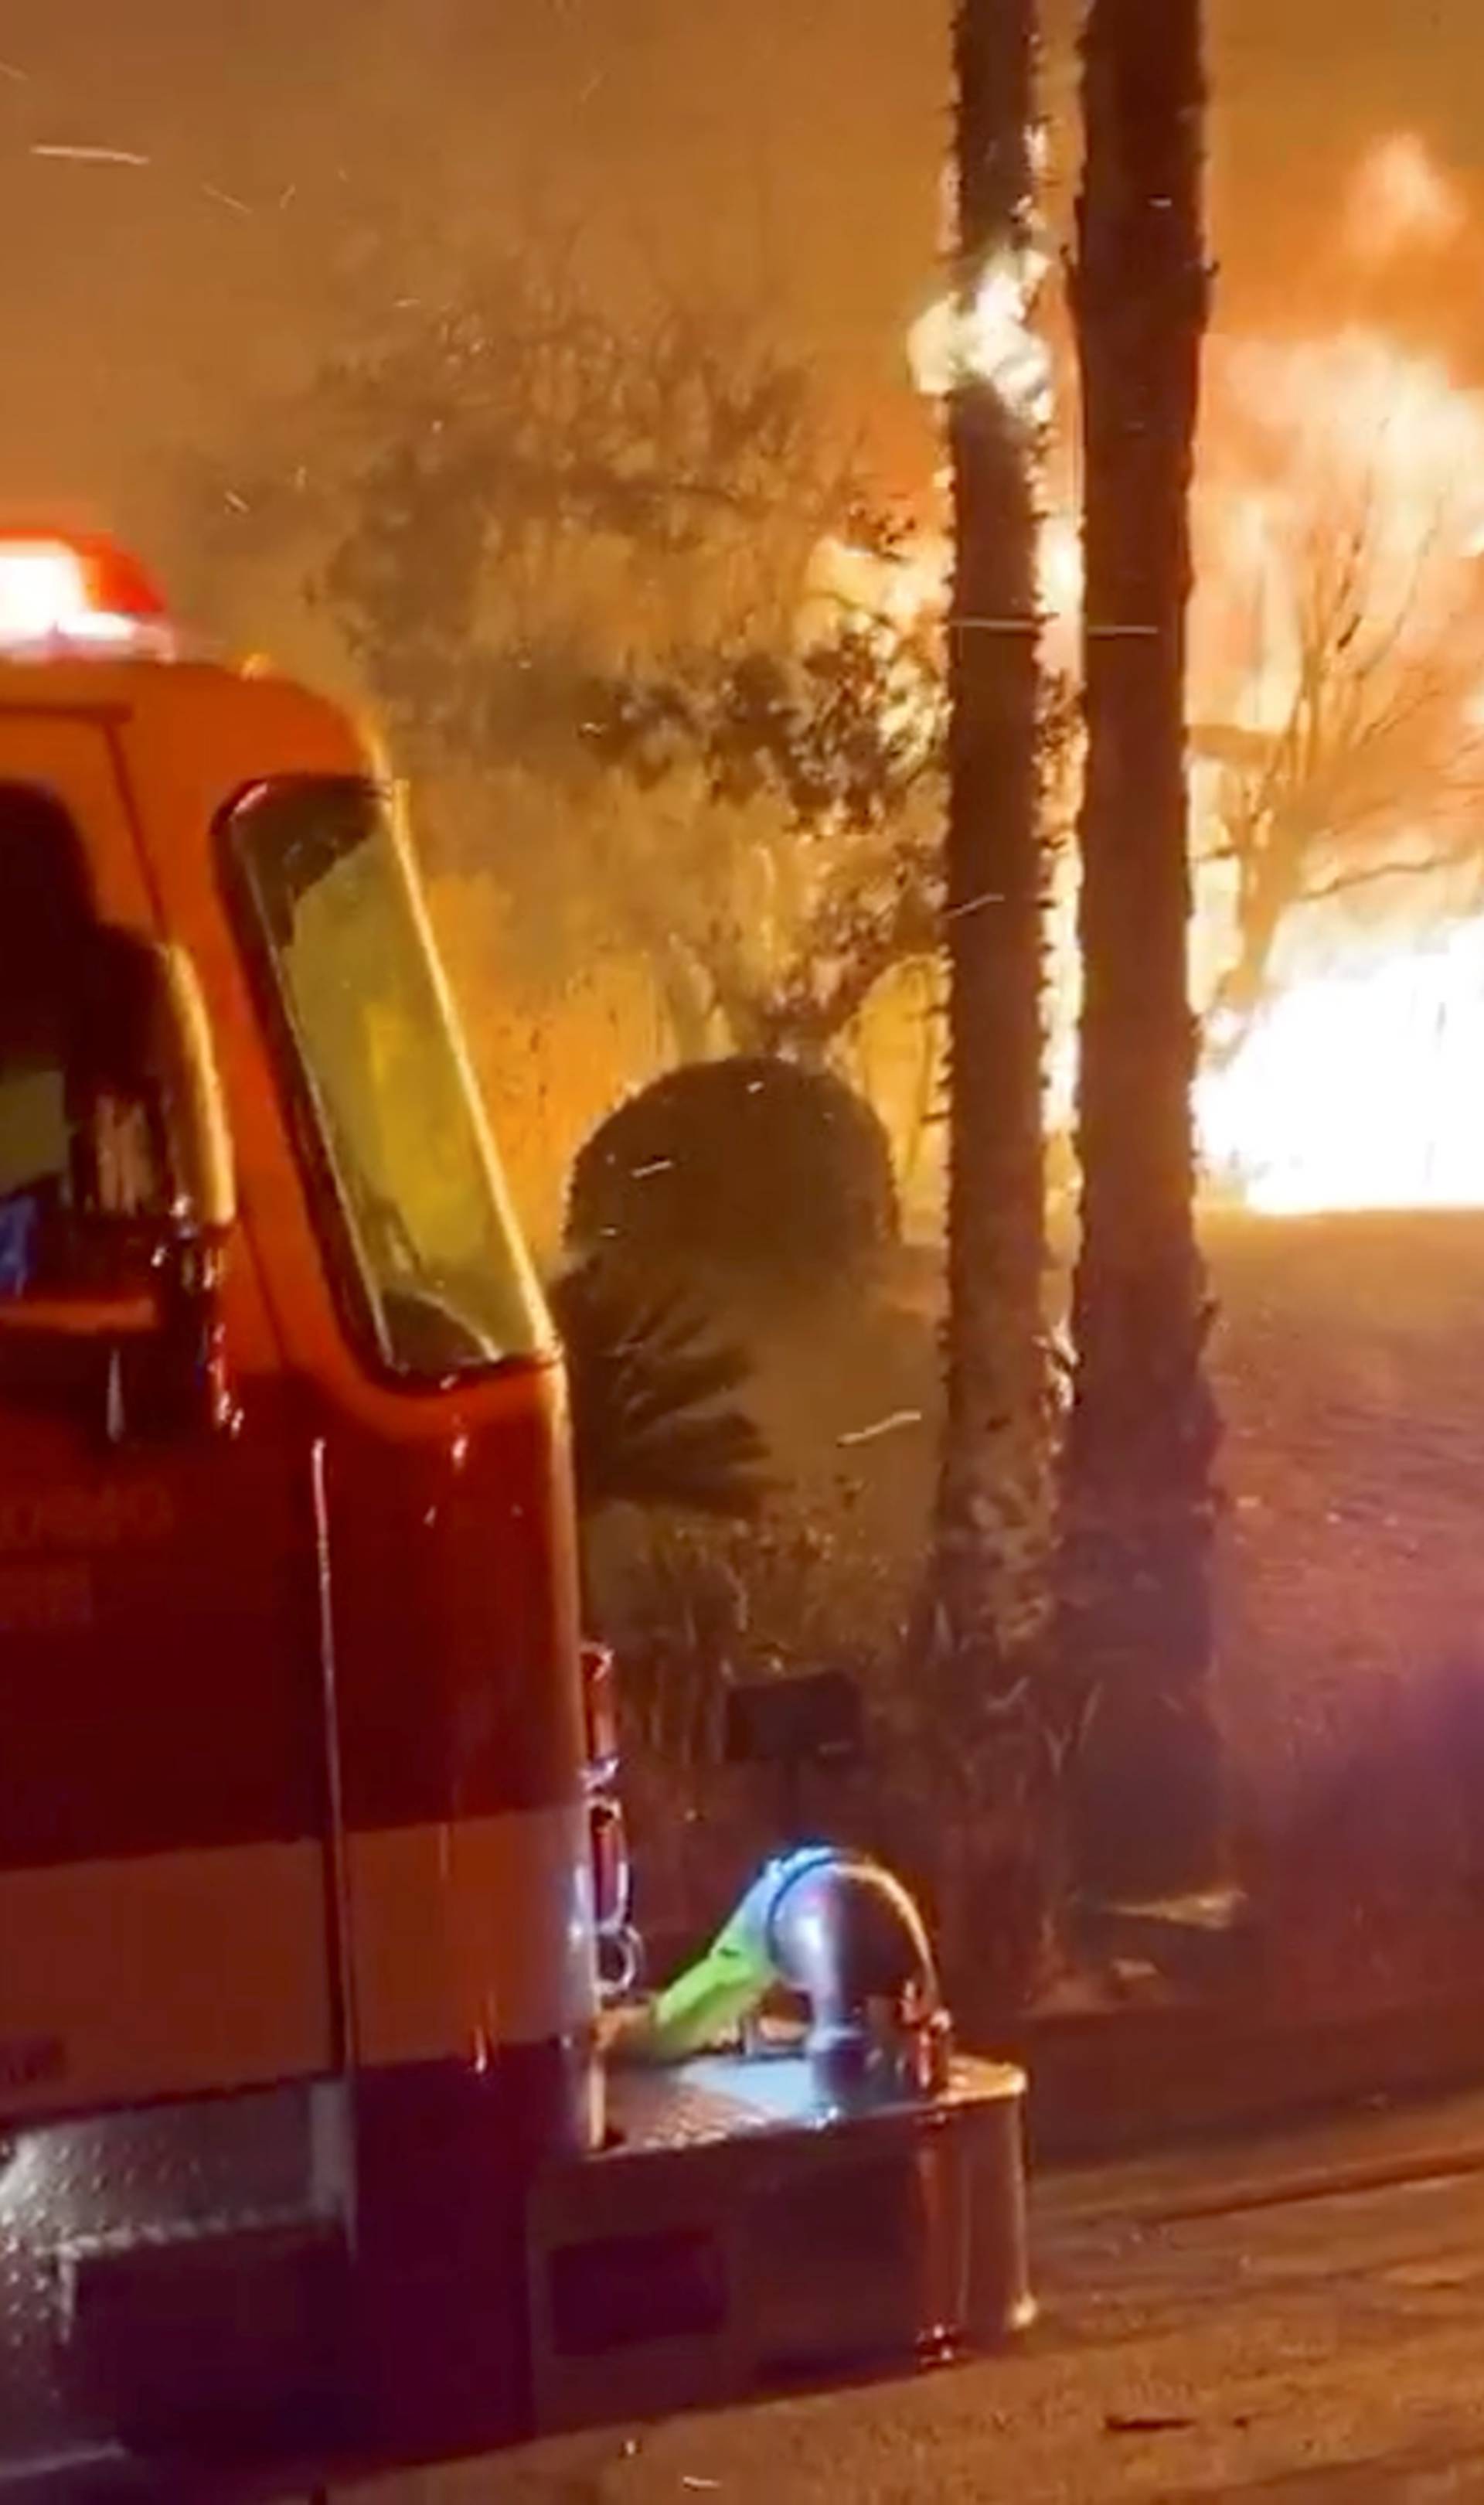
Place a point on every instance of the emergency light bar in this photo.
(77, 593)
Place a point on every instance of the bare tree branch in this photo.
(1382, 624)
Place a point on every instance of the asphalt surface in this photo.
(1302, 2317)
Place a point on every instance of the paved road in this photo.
(1301, 2321)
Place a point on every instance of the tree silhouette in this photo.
(993, 1486)
(518, 513)
(1361, 627)
(1135, 1590)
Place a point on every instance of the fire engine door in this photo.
(164, 1913)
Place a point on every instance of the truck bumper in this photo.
(737, 2235)
(180, 2314)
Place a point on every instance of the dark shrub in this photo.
(749, 1170)
(654, 1422)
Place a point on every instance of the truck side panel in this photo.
(161, 1874)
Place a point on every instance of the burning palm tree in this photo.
(1135, 1585)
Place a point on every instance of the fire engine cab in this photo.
(309, 2150)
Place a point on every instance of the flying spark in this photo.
(878, 1427)
(67, 155)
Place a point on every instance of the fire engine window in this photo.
(405, 1183)
(81, 1125)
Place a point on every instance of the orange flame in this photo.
(1340, 496)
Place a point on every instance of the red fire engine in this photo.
(308, 2149)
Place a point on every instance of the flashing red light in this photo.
(57, 587)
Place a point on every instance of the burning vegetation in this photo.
(688, 629)
(671, 642)
(1336, 711)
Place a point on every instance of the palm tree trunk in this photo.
(993, 1493)
(1135, 1583)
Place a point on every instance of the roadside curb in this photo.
(1242, 2197)
(1126, 2083)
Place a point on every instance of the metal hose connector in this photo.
(849, 1939)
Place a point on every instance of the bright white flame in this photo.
(1359, 1087)
(1400, 202)
(993, 340)
(898, 587)
(908, 586)
(1342, 469)
(1060, 566)
(1326, 453)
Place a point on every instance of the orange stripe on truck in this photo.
(472, 1935)
(177, 1974)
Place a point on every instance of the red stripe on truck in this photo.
(164, 1647)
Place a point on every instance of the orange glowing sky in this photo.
(786, 153)
(785, 157)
